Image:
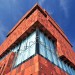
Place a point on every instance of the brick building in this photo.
(37, 46)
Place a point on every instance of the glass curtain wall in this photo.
(47, 49)
(26, 49)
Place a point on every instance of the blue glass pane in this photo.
(42, 38)
(32, 50)
(47, 49)
(72, 71)
(42, 50)
(60, 63)
(52, 46)
(18, 61)
(64, 67)
(55, 59)
(47, 42)
(22, 56)
(31, 39)
(23, 45)
(67, 69)
(49, 55)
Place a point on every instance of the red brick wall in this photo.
(37, 66)
(6, 63)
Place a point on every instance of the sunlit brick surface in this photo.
(37, 66)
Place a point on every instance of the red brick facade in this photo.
(35, 66)
(36, 17)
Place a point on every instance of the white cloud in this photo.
(41, 2)
(64, 6)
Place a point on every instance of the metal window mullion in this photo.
(37, 41)
(45, 46)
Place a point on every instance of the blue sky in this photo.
(63, 12)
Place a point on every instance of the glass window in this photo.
(22, 56)
(27, 49)
(47, 42)
(32, 49)
(72, 71)
(49, 55)
(27, 54)
(23, 45)
(42, 50)
(55, 59)
(42, 38)
(64, 67)
(52, 46)
(31, 39)
(60, 63)
(18, 60)
(47, 49)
